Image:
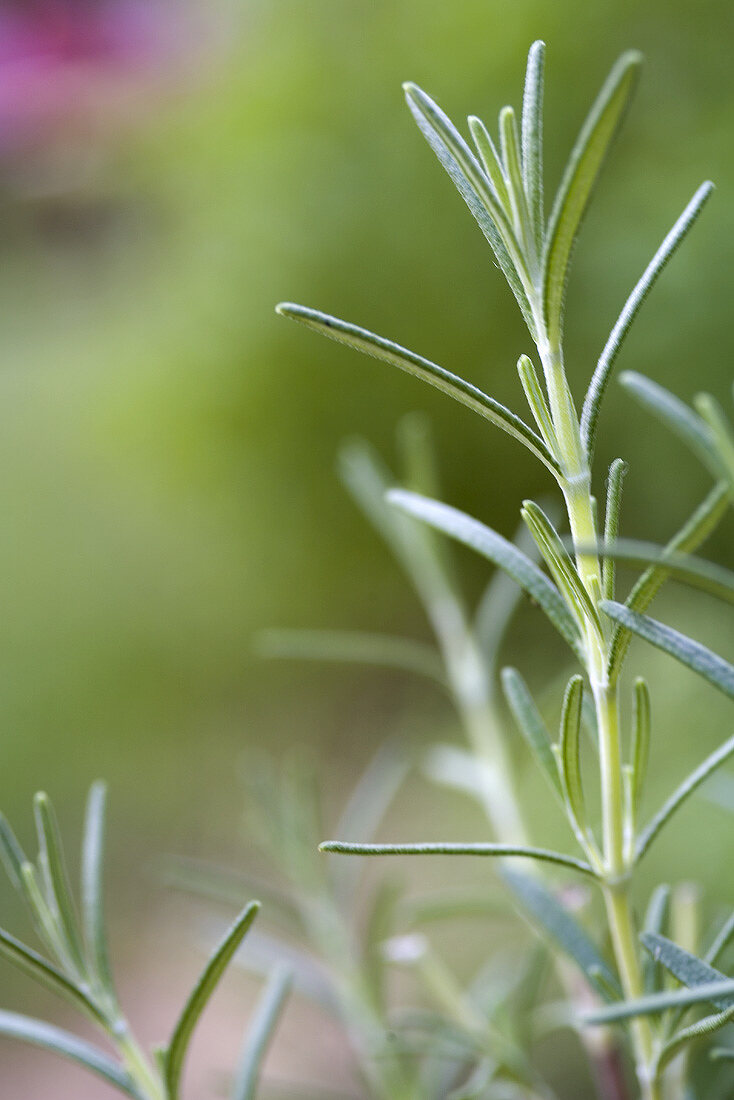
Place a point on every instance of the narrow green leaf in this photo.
(700, 1030)
(491, 162)
(617, 472)
(656, 1003)
(12, 855)
(40, 1034)
(353, 647)
(510, 146)
(721, 429)
(499, 551)
(379, 925)
(44, 972)
(602, 373)
(692, 654)
(689, 970)
(640, 740)
(448, 905)
(722, 1054)
(531, 725)
(463, 392)
(476, 190)
(499, 601)
(721, 941)
(417, 451)
(53, 867)
(532, 139)
(260, 1033)
(579, 179)
(367, 805)
(676, 415)
(656, 921)
(569, 754)
(92, 886)
(686, 788)
(22, 876)
(205, 986)
(450, 849)
(537, 403)
(547, 913)
(559, 563)
(686, 568)
(694, 531)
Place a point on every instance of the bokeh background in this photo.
(169, 170)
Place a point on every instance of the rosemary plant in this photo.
(76, 967)
(503, 189)
(344, 938)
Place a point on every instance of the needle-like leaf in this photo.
(531, 725)
(702, 1028)
(498, 550)
(260, 1033)
(656, 920)
(208, 981)
(499, 601)
(676, 415)
(476, 190)
(552, 918)
(602, 373)
(532, 139)
(569, 755)
(560, 565)
(692, 654)
(689, 970)
(92, 892)
(352, 646)
(451, 849)
(12, 855)
(640, 740)
(617, 471)
(510, 146)
(491, 162)
(33, 964)
(686, 568)
(656, 1003)
(463, 392)
(40, 1034)
(721, 428)
(56, 877)
(721, 941)
(686, 788)
(694, 531)
(536, 401)
(578, 182)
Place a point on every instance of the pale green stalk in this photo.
(615, 880)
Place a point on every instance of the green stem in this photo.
(576, 487)
(138, 1065)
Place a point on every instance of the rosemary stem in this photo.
(576, 487)
(138, 1065)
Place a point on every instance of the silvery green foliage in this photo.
(73, 963)
(575, 588)
(343, 938)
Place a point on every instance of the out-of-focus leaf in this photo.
(554, 920)
(40, 1034)
(260, 1032)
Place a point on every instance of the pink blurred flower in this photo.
(60, 60)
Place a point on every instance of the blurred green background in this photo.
(167, 443)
